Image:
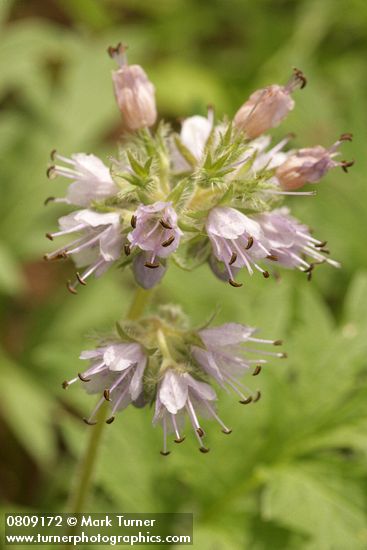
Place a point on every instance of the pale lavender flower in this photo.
(116, 370)
(291, 243)
(92, 180)
(135, 94)
(180, 394)
(98, 243)
(266, 108)
(309, 165)
(155, 231)
(237, 241)
(227, 356)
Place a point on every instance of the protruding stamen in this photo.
(257, 370)
(106, 394)
(133, 221)
(71, 288)
(321, 244)
(250, 242)
(89, 422)
(50, 172)
(118, 53)
(200, 431)
(165, 224)
(82, 378)
(300, 77)
(204, 449)
(168, 241)
(127, 249)
(346, 137)
(345, 164)
(80, 279)
(65, 384)
(49, 236)
(234, 283)
(49, 199)
(152, 265)
(233, 258)
(272, 257)
(266, 274)
(246, 401)
(165, 453)
(278, 343)
(180, 440)
(257, 396)
(110, 420)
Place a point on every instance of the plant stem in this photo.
(85, 470)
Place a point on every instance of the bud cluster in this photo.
(211, 193)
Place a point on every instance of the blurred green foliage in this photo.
(293, 473)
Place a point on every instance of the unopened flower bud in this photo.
(267, 107)
(135, 94)
(309, 165)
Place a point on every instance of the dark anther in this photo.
(65, 384)
(89, 422)
(257, 396)
(266, 274)
(165, 453)
(82, 378)
(309, 269)
(110, 420)
(246, 401)
(49, 199)
(250, 242)
(345, 164)
(346, 137)
(81, 281)
(300, 76)
(233, 258)
(234, 283)
(112, 51)
(70, 288)
(321, 245)
(227, 432)
(106, 394)
(179, 440)
(204, 449)
(49, 236)
(127, 249)
(50, 171)
(257, 370)
(168, 241)
(309, 276)
(133, 221)
(52, 154)
(272, 257)
(165, 224)
(325, 250)
(151, 266)
(278, 343)
(200, 432)
(284, 355)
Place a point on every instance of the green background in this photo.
(293, 473)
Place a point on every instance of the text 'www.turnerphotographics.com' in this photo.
(94, 529)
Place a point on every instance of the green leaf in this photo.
(320, 502)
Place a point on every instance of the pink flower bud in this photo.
(266, 108)
(309, 165)
(135, 94)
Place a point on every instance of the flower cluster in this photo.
(212, 193)
(174, 368)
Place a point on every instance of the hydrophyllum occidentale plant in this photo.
(212, 193)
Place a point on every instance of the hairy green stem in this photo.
(85, 470)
